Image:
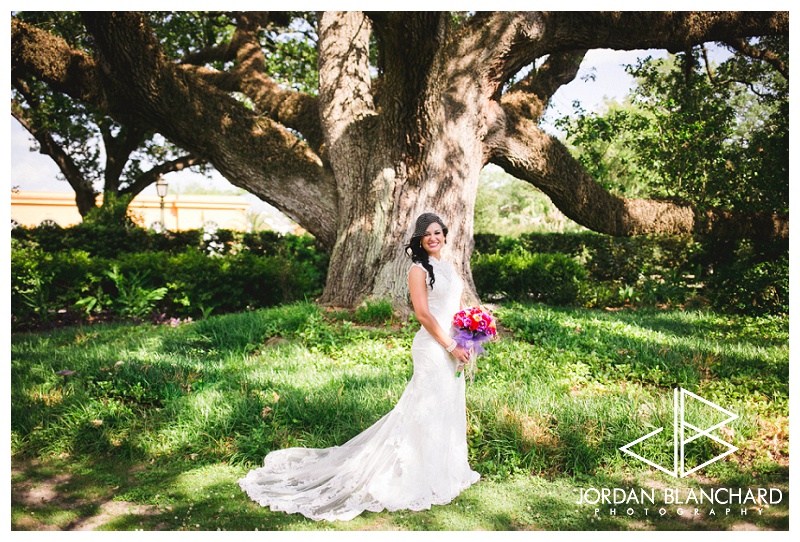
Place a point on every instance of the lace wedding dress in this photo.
(413, 457)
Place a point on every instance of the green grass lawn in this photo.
(159, 422)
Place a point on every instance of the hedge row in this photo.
(110, 240)
(71, 285)
(94, 269)
(738, 276)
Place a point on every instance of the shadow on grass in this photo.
(104, 495)
(76, 495)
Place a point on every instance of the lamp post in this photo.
(161, 188)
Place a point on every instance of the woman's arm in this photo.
(419, 299)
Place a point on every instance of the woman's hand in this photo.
(462, 356)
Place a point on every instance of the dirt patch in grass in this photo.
(49, 501)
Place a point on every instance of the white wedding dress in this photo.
(413, 457)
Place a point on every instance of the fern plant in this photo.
(133, 299)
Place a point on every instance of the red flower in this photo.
(475, 320)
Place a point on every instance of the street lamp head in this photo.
(161, 187)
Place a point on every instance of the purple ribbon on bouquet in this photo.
(471, 340)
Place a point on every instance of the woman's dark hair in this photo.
(414, 248)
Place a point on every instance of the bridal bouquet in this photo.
(471, 327)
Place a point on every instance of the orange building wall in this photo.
(181, 212)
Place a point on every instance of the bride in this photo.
(414, 456)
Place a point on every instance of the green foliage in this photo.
(618, 258)
(290, 50)
(233, 282)
(107, 230)
(44, 283)
(51, 280)
(755, 282)
(605, 146)
(509, 207)
(26, 279)
(643, 271)
(182, 32)
(123, 156)
(132, 298)
(549, 278)
(292, 54)
(718, 141)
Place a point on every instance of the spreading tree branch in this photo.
(51, 59)
(149, 177)
(85, 195)
(532, 93)
(559, 69)
(671, 30)
(517, 39)
(251, 151)
(528, 153)
(741, 46)
(296, 110)
(118, 150)
(525, 151)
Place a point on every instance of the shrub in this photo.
(44, 284)
(756, 282)
(193, 283)
(29, 300)
(48, 236)
(131, 297)
(263, 243)
(489, 243)
(69, 274)
(733, 275)
(623, 259)
(175, 242)
(106, 235)
(549, 278)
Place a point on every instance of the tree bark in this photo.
(421, 152)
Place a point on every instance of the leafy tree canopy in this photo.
(716, 136)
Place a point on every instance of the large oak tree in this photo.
(379, 144)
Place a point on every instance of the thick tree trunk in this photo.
(384, 182)
(369, 259)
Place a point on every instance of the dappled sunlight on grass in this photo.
(168, 418)
(628, 342)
